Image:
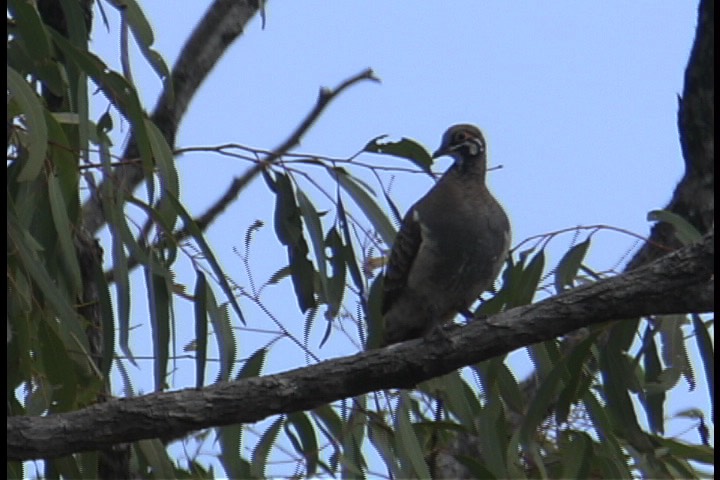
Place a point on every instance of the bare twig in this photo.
(238, 184)
(324, 98)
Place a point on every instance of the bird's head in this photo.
(465, 144)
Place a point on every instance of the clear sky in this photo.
(578, 103)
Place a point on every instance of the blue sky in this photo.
(577, 101)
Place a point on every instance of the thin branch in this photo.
(238, 184)
(324, 98)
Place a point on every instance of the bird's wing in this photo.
(403, 254)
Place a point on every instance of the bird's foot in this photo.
(473, 317)
(437, 334)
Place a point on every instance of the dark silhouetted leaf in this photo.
(405, 148)
(369, 207)
(308, 441)
(653, 401)
(707, 354)
(159, 306)
(569, 265)
(201, 327)
(254, 365)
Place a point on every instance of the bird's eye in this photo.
(460, 137)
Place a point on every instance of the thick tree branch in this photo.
(680, 282)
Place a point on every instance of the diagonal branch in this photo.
(325, 96)
(681, 282)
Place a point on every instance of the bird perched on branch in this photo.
(450, 246)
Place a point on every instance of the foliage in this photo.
(577, 416)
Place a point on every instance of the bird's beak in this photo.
(440, 152)
(445, 150)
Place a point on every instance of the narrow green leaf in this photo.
(275, 278)
(509, 389)
(674, 348)
(352, 459)
(707, 354)
(407, 441)
(75, 18)
(569, 265)
(330, 419)
(405, 148)
(128, 390)
(67, 467)
(375, 326)
(159, 306)
(230, 439)
(524, 288)
(614, 370)
(224, 335)
(164, 160)
(108, 324)
(121, 277)
(314, 228)
(653, 401)
(302, 274)
(64, 235)
(684, 230)
(269, 180)
(577, 464)
(376, 216)
(20, 242)
(122, 95)
(610, 455)
(58, 369)
(162, 223)
(197, 235)
(382, 438)
(201, 327)
(29, 103)
(253, 365)
(156, 456)
(142, 31)
(494, 437)
(309, 446)
(336, 282)
(579, 380)
(544, 397)
(697, 453)
(451, 388)
(288, 228)
(350, 258)
(31, 29)
(262, 449)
